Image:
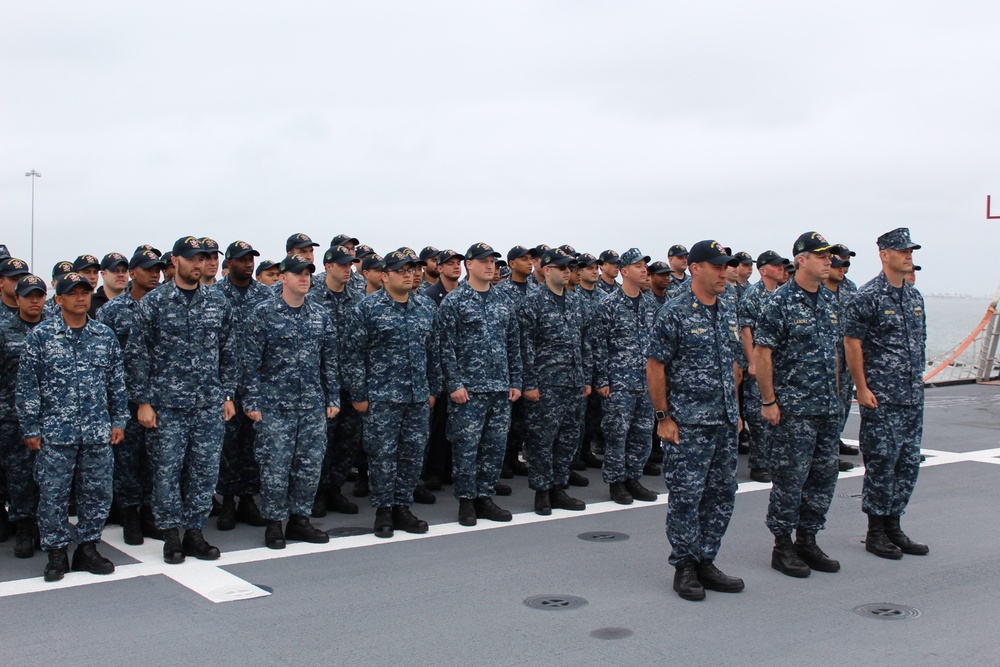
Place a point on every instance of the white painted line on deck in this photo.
(208, 579)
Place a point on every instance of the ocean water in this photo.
(950, 320)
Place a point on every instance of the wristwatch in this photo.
(660, 415)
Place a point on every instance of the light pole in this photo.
(33, 174)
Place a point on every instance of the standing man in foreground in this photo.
(72, 408)
(796, 339)
(885, 335)
(182, 373)
(692, 375)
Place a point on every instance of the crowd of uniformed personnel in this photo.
(169, 395)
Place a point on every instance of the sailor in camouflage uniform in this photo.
(593, 404)
(845, 291)
(72, 407)
(17, 461)
(886, 334)
(797, 340)
(770, 267)
(182, 372)
(58, 271)
(623, 323)
(677, 257)
(292, 388)
(557, 356)
(609, 271)
(393, 377)
(481, 368)
(691, 371)
(133, 477)
(11, 270)
(239, 473)
(343, 434)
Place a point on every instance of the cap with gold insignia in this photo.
(28, 284)
(299, 241)
(71, 280)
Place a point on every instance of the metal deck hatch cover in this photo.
(555, 602)
(348, 531)
(603, 536)
(611, 633)
(887, 611)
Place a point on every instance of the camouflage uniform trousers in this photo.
(477, 430)
(554, 424)
(593, 420)
(803, 468)
(56, 466)
(628, 439)
(343, 445)
(701, 478)
(395, 435)
(239, 472)
(19, 463)
(290, 445)
(184, 453)
(760, 428)
(890, 443)
(518, 430)
(846, 397)
(133, 482)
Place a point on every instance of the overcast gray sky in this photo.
(599, 124)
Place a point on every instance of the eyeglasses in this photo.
(405, 271)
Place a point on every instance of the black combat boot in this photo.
(846, 449)
(877, 542)
(576, 479)
(809, 551)
(760, 475)
(383, 522)
(651, 470)
(715, 579)
(361, 488)
(403, 519)
(299, 528)
(899, 538)
(319, 505)
(274, 538)
(502, 490)
(489, 510)
(4, 522)
(248, 512)
(639, 492)
(24, 539)
(686, 583)
(173, 552)
(149, 528)
(57, 566)
(131, 525)
(577, 464)
(87, 559)
(422, 496)
(543, 504)
(195, 545)
(227, 514)
(466, 512)
(338, 502)
(785, 558)
(619, 494)
(591, 459)
(562, 500)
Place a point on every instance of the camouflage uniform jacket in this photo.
(804, 341)
(243, 306)
(71, 386)
(480, 341)
(555, 341)
(893, 335)
(676, 287)
(182, 354)
(13, 331)
(119, 314)
(392, 351)
(621, 338)
(339, 310)
(605, 287)
(698, 351)
(752, 303)
(290, 358)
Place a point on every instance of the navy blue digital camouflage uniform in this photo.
(392, 362)
(291, 376)
(802, 461)
(480, 352)
(593, 411)
(71, 393)
(749, 312)
(676, 286)
(18, 461)
(558, 361)
(621, 339)
(845, 295)
(517, 433)
(891, 325)
(181, 358)
(133, 478)
(698, 351)
(239, 473)
(343, 432)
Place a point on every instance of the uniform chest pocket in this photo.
(802, 328)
